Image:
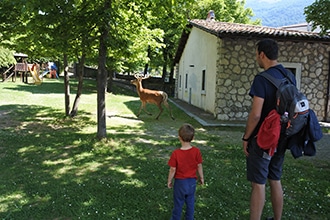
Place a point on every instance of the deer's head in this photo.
(138, 79)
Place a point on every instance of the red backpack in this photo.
(269, 132)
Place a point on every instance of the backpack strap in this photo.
(285, 73)
(276, 82)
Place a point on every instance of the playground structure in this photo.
(24, 69)
(19, 67)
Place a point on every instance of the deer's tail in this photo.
(165, 97)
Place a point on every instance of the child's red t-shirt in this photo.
(185, 162)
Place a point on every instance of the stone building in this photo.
(215, 66)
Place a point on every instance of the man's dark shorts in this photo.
(260, 166)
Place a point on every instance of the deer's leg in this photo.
(143, 106)
(169, 108)
(160, 110)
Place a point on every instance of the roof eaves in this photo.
(225, 29)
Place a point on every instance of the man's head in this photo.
(186, 132)
(267, 50)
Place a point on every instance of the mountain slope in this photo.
(277, 13)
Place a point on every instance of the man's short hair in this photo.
(187, 132)
(269, 47)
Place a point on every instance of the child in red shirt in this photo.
(184, 163)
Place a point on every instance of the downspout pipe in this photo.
(328, 92)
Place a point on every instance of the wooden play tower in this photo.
(21, 68)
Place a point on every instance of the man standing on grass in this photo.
(260, 165)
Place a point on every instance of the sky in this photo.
(268, 1)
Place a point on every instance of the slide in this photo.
(35, 76)
(44, 73)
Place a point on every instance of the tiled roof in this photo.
(222, 29)
(225, 29)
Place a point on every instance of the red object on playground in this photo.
(52, 73)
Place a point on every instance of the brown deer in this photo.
(150, 96)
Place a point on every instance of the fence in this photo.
(154, 83)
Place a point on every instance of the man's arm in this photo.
(253, 119)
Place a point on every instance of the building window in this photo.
(203, 80)
(180, 82)
(295, 68)
(186, 81)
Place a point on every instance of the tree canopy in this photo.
(140, 32)
(6, 57)
(224, 10)
(318, 14)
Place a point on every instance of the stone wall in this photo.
(236, 68)
(314, 58)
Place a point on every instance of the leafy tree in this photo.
(9, 19)
(171, 17)
(225, 10)
(6, 57)
(318, 14)
(131, 34)
(49, 33)
(63, 29)
(80, 28)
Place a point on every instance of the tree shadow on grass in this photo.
(134, 106)
(55, 86)
(53, 169)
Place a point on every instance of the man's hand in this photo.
(245, 148)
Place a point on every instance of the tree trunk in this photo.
(110, 80)
(164, 64)
(102, 79)
(66, 86)
(145, 72)
(101, 89)
(74, 110)
(164, 67)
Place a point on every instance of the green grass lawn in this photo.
(53, 167)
